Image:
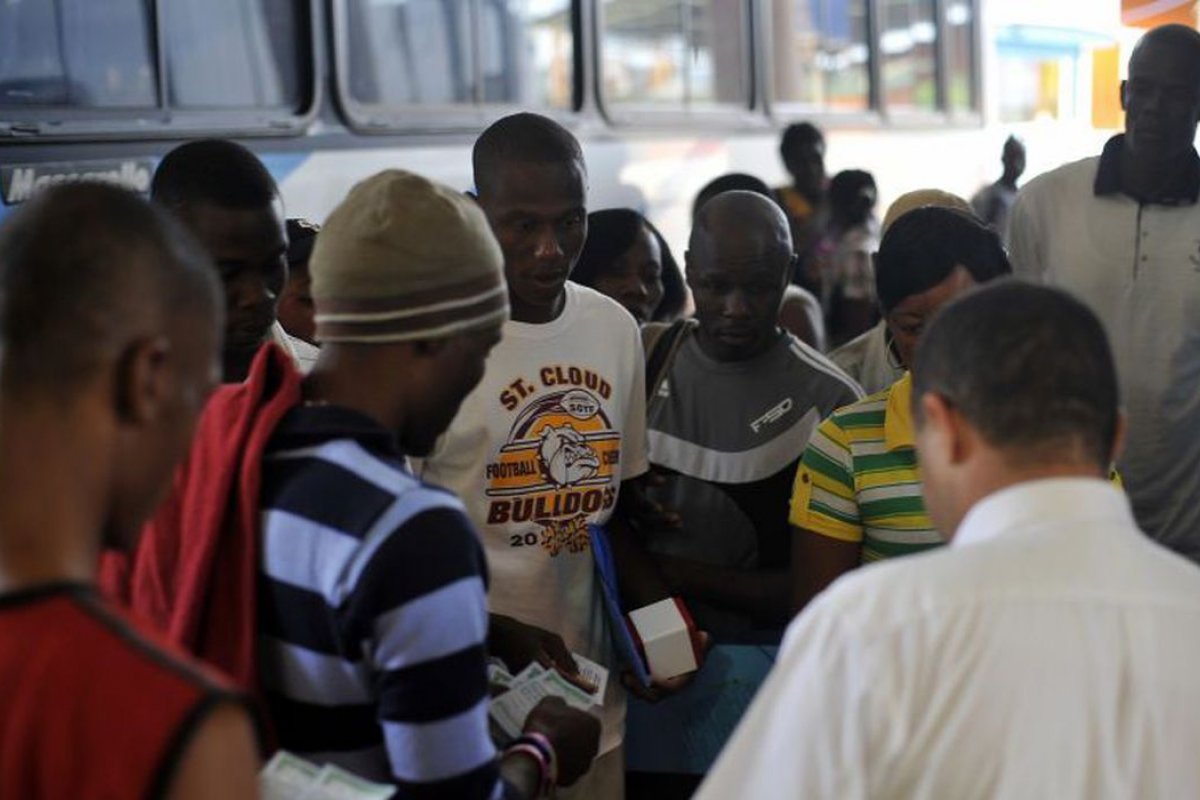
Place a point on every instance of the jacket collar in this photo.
(1184, 190)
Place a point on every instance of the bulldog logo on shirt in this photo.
(560, 463)
(566, 457)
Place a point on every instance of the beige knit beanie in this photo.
(404, 258)
(919, 198)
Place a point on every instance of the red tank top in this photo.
(91, 705)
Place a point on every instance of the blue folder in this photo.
(606, 573)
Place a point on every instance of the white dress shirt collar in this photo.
(1059, 502)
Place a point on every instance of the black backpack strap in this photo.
(661, 342)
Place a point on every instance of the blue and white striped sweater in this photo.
(372, 611)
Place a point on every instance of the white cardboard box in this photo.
(665, 639)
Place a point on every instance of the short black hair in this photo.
(522, 138)
(77, 263)
(922, 247)
(845, 188)
(214, 171)
(797, 135)
(729, 182)
(611, 232)
(302, 235)
(1028, 366)
(1013, 142)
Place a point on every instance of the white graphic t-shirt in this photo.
(538, 451)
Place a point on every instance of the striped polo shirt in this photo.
(858, 480)
(372, 611)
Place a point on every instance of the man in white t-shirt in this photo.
(556, 429)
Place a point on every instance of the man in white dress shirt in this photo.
(1049, 651)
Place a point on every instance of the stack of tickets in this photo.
(289, 777)
(535, 683)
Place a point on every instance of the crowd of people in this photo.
(267, 485)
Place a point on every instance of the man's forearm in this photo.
(641, 583)
(765, 594)
(818, 561)
(521, 774)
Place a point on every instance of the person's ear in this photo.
(790, 270)
(142, 382)
(944, 429)
(1124, 95)
(687, 268)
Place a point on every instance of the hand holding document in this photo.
(535, 683)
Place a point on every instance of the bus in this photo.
(663, 94)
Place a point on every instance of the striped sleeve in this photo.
(420, 609)
(823, 496)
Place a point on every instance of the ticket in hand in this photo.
(335, 783)
(286, 776)
(510, 709)
(290, 777)
(535, 683)
(594, 676)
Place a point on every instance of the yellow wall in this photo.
(1106, 82)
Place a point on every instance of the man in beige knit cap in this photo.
(368, 607)
(374, 620)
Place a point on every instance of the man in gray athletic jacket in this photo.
(730, 418)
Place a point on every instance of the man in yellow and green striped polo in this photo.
(857, 493)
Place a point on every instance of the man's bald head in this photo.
(738, 262)
(1161, 98)
(746, 216)
(82, 267)
(1183, 41)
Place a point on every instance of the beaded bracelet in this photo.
(540, 741)
(545, 779)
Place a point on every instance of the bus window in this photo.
(908, 41)
(960, 61)
(148, 69)
(402, 54)
(673, 55)
(413, 53)
(527, 52)
(234, 53)
(821, 57)
(77, 53)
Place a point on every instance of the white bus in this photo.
(664, 94)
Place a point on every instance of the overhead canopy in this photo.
(1041, 40)
(1152, 13)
